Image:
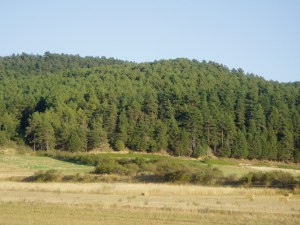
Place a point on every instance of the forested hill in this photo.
(183, 106)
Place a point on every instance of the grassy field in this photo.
(137, 203)
(237, 167)
(120, 203)
(17, 165)
(52, 214)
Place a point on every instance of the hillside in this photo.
(183, 106)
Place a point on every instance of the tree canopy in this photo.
(186, 107)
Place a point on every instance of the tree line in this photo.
(187, 107)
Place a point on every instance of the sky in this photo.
(260, 36)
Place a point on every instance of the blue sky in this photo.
(259, 36)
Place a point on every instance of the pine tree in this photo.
(8, 125)
(173, 133)
(111, 121)
(286, 145)
(41, 132)
(161, 136)
(240, 149)
(271, 147)
(74, 143)
(182, 146)
(122, 125)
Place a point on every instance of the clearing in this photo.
(16, 165)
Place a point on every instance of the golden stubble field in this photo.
(123, 203)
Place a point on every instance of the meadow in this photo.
(122, 203)
(22, 165)
(135, 203)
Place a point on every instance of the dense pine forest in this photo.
(186, 107)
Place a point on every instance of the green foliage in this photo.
(3, 138)
(225, 151)
(199, 151)
(210, 176)
(76, 157)
(119, 145)
(46, 176)
(240, 149)
(205, 176)
(74, 143)
(178, 176)
(269, 179)
(40, 131)
(96, 138)
(110, 166)
(156, 168)
(182, 106)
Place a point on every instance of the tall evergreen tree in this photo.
(240, 149)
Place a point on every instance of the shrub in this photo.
(132, 169)
(110, 166)
(47, 176)
(179, 176)
(246, 180)
(149, 167)
(231, 179)
(283, 179)
(266, 179)
(204, 175)
(124, 161)
(119, 145)
(3, 138)
(199, 151)
(208, 176)
(139, 161)
(86, 178)
(269, 179)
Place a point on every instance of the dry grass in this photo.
(127, 203)
(136, 188)
(41, 213)
(152, 196)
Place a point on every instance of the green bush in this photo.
(199, 151)
(208, 176)
(110, 166)
(164, 165)
(125, 161)
(284, 179)
(132, 169)
(86, 178)
(47, 176)
(231, 179)
(176, 173)
(179, 176)
(168, 170)
(269, 179)
(3, 138)
(119, 145)
(139, 161)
